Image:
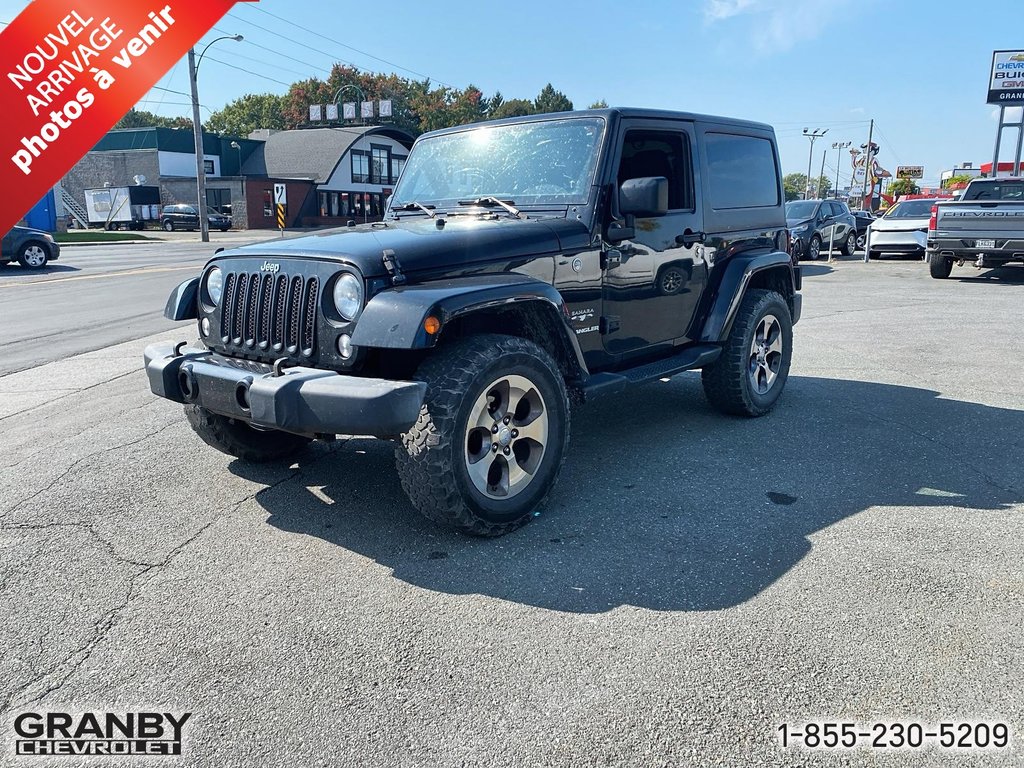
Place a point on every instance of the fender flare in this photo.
(733, 287)
(393, 319)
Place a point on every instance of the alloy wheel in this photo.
(506, 436)
(765, 354)
(35, 256)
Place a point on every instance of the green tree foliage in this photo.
(599, 104)
(903, 187)
(821, 187)
(140, 118)
(794, 185)
(246, 114)
(513, 108)
(550, 100)
(958, 181)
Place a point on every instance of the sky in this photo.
(918, 68)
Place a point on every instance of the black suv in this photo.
(564, 257)
(179, 216)
(816, 223)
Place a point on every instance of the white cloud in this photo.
(779, 26)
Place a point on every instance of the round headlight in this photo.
(215, 285)
(348, 296)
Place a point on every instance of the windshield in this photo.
(911, 209)
(800, 209)
(546, 162)
(994, 190)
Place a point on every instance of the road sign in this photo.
(909, 171)
(281, 194)
(280, 216)
(1006, 80)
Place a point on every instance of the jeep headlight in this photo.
(348, 295)
(215, 285)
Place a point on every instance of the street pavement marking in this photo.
(145, 271)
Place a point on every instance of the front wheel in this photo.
(488, 444)
(168, 226)
(236, 438)
(940, 267)
(33, 255)
(749, 376)
(814, 248)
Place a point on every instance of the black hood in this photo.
(797, 222)
(418, 243)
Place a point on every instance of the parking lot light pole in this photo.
(840, 145)
(197, 130)
(817, 133)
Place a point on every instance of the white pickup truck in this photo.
(985, 227)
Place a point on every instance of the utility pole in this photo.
(817, 133)
(197, 130)
(840, 145)
(817, 191)
(864, 187)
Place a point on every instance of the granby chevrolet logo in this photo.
(270, 266)
(90, 733)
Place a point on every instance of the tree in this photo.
(794, 185)
(903, 187)
(959, 181)
(140, 118)
(550, 100)
(599, 104)
(821, 187)
(244, 115)
(513, 108)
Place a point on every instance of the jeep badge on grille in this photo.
(269, 266)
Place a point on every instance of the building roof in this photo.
(312, 153)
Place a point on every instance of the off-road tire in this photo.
(430, 460)
(236, 438)
(850, 245)
(727, 383)
(940, 267)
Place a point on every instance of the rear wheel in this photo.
(749, 376)
(488, 445)
(862, 240)
(850, 245)
(33, 255)
(236, 438)
(940, 267)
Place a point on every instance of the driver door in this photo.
(653, 280)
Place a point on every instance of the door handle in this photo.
(690, 238)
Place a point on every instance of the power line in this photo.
(291, 40)
(278, 54)
(349, 47)
(208, 57)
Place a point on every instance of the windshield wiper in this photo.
(413, 205)
(491, 202)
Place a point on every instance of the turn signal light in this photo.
(431, 325)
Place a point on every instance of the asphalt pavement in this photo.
(695, 582)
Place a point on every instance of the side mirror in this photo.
(647, 196)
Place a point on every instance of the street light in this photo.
(236, 145)
(817, 133)
(840, 145)
(197, 129)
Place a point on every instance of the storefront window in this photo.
(360, 166)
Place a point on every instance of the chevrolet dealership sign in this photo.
(1006, 81)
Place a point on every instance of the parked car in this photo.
(180, 216)
(32, 248)
(815, 223)
(985, 227)
(491, 299)
(903, 229)
(864, 219)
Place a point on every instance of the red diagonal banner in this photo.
(70, 69)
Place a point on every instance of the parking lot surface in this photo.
(694, 582)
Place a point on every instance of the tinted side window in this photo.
(660, 153)
(741, 171)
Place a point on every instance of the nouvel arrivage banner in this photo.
(70, 70)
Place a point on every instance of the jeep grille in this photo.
(271, 314)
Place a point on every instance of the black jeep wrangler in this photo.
(522, 265)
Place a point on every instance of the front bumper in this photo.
(909, 241)
(306, 401)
